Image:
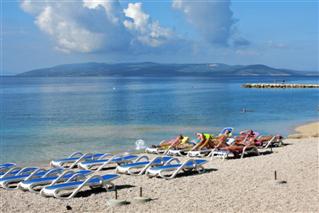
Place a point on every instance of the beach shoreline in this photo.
(239, 185)
(305, 130)
(292, 133)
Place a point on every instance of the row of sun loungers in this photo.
(260, 144)
(64, 183)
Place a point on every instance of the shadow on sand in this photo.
(89, 191)
(190, 173)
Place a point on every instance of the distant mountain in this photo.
(161, 70)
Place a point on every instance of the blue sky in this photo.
(38, 34)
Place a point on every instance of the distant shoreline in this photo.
(150, 69)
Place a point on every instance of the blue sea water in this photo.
(48, 118)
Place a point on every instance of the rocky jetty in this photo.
(282, 85)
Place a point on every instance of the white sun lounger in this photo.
(177, 152)
(71, 187)
(101, 163)
(174, 169)
(141, 164)
(36, 184)
(75, 158)
(10, 182)
(224, 154)
(199, 153)
(271, 143)
(155, 150)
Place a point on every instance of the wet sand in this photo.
(238, 185)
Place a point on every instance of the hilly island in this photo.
(149, 69)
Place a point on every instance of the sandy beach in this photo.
(237, 185)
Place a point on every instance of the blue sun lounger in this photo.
(17, 171)
(6, 166)
(36, 184)
(141, 164)
(101, 163)
(71, 187)
(10, 182)
(229, 129)
(75, 158)
(174, 168)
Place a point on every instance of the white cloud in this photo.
(213, 19)
(112, 8)
(96, 25)
(31, 7)
(67, 33)
(139, 19)
(148, 32)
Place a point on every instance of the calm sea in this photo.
(48, 118)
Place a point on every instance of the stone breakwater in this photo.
(268, 85)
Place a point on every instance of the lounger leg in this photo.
(110, 186)
(31, 188)
(149, 175)
(200, 169)
(6, 185)
(243, 153)
(43, 194)
(129, 172)
(258, 153)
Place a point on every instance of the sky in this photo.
(43, 33)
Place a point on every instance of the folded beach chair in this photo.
(75, 158)
(10, 182)
(72, 186)
(102, 163)
(174, 168)
(141, 164)
(36, 184)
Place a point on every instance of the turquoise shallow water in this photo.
(45, 118)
